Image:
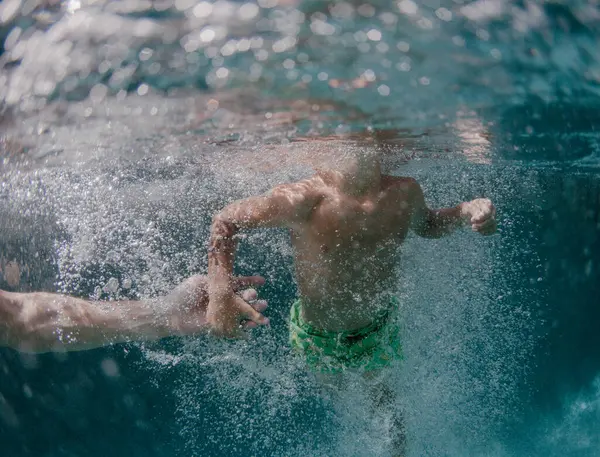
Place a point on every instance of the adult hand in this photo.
(190, 304)
(481, 215)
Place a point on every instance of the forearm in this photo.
(442, 222)
(221, 254)
(43, 322)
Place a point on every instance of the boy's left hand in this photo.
(481, 215)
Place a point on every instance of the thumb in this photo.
(250, 313)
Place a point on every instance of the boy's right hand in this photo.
(228, 314)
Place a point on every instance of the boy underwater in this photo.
(346, 223)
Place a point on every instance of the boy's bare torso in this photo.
(346, 252)
(346, 224)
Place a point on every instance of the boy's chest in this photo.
(340, 218)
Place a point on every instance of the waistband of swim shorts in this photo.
(378, 323)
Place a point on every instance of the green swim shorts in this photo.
(368, 349)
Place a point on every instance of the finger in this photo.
(260, 305)
(490, 230)
(486, 229)
(245, 281)
(249, 325)
(249, 294)
(486, 224)
(250, 313)
(481, 217)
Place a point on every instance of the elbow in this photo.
(17, 332)
(11, 310)
(27, 330)
(23, 325)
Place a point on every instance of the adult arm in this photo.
(480, 214)
(285, 206)
(44, 322)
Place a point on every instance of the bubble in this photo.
(369, 75)
(112, 286)
(268, 3)
(256, 42)
(27, 391)
(403, 46)
(483, 34)
(374, 35)
(207, 35)
(261, 55)
(183, 5)
(289, 64)
(366, 10)
(383, 90)
(145, 54)
(229, 48)
(458, 40)
(109, 368)
(98, 93)
(97, 293)
(212, 105)
(408, 7)
(248, 11)
(243, 45)
(342, 10)
(190, 44)
(403, 66)
(203, 9)
(222, 73)
(383, 48)
(320, 27)
(12, 38)
(360, 36)
(143, 89)
(154, 68)
(425, 23)
(8, 10)
(444, 14)
(364, 47)
(496, 54)
(388, 18)
(44, 87)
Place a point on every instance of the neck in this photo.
(359, 175)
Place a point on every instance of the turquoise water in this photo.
(125, 125)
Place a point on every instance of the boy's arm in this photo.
(479, 213)
(285, 206)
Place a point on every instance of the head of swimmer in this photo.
(354, 168)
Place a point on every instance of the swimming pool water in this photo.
(126, 125)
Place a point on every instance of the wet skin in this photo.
(346, 228)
